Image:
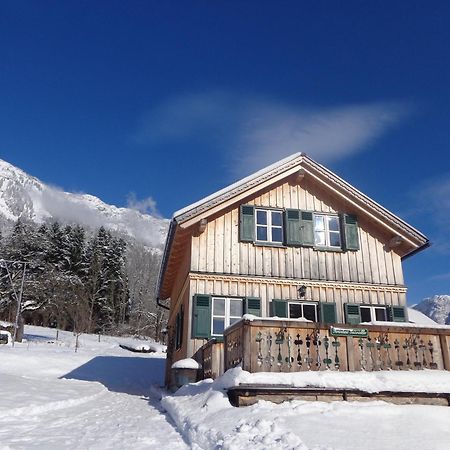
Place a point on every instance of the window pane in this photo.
(261, 233)
(276, 218)
(261, 217)
(333, 223)
(365, 314)
(234, 320)
(335, 239)
(380, 314)
(319, 223)
(235, 307)
(218, 326)
(219, 307)
(295, 310)
(309, 312)
(277, 235)
(319, 237)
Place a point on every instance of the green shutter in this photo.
(247, 223)
(279, 308)
(252, 305)
(292, 225)
(201, 326)
(352, 313)
(328, 312)
(350, 239)
(397, 313)
(307, 227)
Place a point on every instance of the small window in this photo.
(225, 312)
(373, 313)
(303, 309)
(269, 226)
(327, 232)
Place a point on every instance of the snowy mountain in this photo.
(436, 307)
(24, 196)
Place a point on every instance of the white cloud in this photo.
(253, 132)
(144, 206)
(53, 203)
(326, 134)
(440, 277)
(435, 198)
(431, 201)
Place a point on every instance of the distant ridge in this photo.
(24, 196)
(436, 308)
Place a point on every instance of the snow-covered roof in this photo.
(231, 187)
(418, 317)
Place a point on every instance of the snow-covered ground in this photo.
(97, 398)
(105, 397)
(204, 415)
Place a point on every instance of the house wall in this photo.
(219, 264)
(268, 289)
(179, 297)
(218, 250)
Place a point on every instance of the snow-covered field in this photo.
(97, 398)
(105, 397)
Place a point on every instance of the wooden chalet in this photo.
(297, 243)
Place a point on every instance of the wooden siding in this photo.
(218, 250)
(268, 289)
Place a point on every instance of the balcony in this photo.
(274, 345)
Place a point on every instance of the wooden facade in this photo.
(206, 255)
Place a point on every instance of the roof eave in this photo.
(165, 259)
(417, 250)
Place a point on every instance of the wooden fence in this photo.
(293, 346)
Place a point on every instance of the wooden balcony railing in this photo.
(211, 359)
(265, 345)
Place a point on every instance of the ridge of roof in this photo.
(236, 184)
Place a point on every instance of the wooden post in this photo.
(350, 356)
(445, 348)
(246, 343)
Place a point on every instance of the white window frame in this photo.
(303, 314)
(269, 225)
(372, 308)
(327, 231)
(227, 315)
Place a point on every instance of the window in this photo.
(327, 232)
(359, 313)
(303, 309)
(298, 228)
(373, 313)
(179, 329)
(225, 312)
(269, 226)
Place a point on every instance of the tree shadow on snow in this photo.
(132, 375)
(38, 337)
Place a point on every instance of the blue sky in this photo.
(166, 102)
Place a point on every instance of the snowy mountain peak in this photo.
(437, 308)
(26, 197)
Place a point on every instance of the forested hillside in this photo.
(79, 279)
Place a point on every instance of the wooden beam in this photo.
(395, 242)
(201, 227)
(297, 177)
